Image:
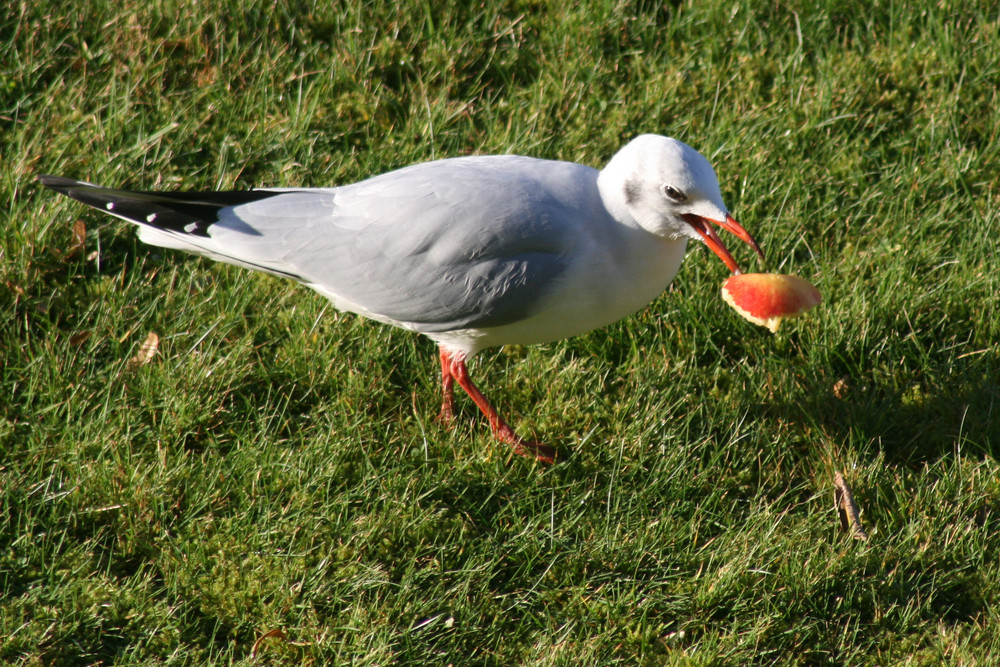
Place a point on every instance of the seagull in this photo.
(473, 252)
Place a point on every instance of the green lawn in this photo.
(276, 466)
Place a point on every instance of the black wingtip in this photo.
(57, 182)
(190, 213)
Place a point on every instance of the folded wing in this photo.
(453, 244)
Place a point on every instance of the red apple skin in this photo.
(766, 298)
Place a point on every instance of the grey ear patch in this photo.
(633, 189)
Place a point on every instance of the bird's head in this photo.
(670, 190)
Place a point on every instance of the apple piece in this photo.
(767, 298)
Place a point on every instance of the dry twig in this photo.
(850, 518)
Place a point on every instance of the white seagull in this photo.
(472, 252)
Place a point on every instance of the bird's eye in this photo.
(672, 193)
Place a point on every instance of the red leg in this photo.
(447, 414)
(453, 368)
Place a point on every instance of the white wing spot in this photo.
(110, 206)
(151, 217)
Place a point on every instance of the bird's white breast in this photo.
(599, 288)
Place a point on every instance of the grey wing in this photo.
(437, 247)
(460, 243)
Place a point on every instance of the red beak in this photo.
(704, 228)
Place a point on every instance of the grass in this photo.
(276, 466)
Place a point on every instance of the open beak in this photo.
(704, 228)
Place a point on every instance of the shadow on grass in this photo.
(920, 423)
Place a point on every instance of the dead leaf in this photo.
(840, 388)
(79, 338)
(270, 634)
(146, 352)
(16, 289)
(79, 241)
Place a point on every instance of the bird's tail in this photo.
(180, 212)
(179, 220)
